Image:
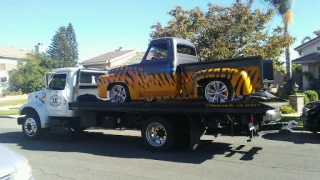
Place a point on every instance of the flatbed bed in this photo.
(187, 108)
(183, 121)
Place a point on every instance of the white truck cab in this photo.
(63, 85)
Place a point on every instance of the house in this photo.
(8, 60)
(310, 60)
(113, 59)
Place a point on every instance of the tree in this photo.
(284, 9)
(226, 32)
(72, 40)
(29, 75)
(305, 39)
(64, 47)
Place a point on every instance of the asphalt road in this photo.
(110, 155)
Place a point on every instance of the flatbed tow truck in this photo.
(71, 102)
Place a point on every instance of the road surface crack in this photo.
(54, 174)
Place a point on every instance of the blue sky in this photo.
(103, 26)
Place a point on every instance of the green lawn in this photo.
(286, 119)
(9, 112)
(14, 110)
(13, 102)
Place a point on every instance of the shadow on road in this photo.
(294, 137)
(125, 147)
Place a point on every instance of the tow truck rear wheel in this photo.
(218, 91)
(158, 134)
(31, 126)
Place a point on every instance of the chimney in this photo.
(39, 48)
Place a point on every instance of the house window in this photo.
(319, 72)
(318, 48)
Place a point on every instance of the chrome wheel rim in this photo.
(216, 91)
(118, 94)
(156, 134)
(30, 127)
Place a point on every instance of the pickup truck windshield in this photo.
(158, 51)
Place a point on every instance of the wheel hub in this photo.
(216, 91)
(30, 127)
(118, 94)
(156, 134)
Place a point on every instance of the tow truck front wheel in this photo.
(157, 134)
(31, 126)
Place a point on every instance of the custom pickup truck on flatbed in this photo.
(73, 101)
(170, 69)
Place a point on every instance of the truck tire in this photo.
(157, 134)
(119, 93)
(218, 91)
(31, 126)
(149, 100)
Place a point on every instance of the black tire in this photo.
(149, 142)
(31, 121)
(127, 98)
(150, 101)
(225, 82)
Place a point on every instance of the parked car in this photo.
(274, 101)
(311, 116)
(13, 165)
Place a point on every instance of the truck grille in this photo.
(7, 177)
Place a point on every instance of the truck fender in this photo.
(39, 108)
(240, 80)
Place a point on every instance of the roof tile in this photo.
(106, 57)
(13, 52)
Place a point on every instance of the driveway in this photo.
(111, 155)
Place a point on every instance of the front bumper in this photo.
(311, 124)
(20, 120)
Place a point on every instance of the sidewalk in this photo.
(292, 115)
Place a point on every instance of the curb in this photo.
(10, 116)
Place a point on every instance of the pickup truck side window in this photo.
(184, 49)
(58, 82)
(158, 51)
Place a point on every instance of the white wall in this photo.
(310, 49)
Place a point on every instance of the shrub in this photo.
(312, 95)
(306, 99)
(287, 109)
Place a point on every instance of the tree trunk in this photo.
(288, 60)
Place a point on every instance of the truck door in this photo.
(157, 65)
(56, 94)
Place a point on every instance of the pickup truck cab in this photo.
(170, 69)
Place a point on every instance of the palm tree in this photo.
(305, 39)
(284, 8)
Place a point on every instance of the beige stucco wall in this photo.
(310, 49)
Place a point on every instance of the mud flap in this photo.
(195, 133)
(253, 129)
